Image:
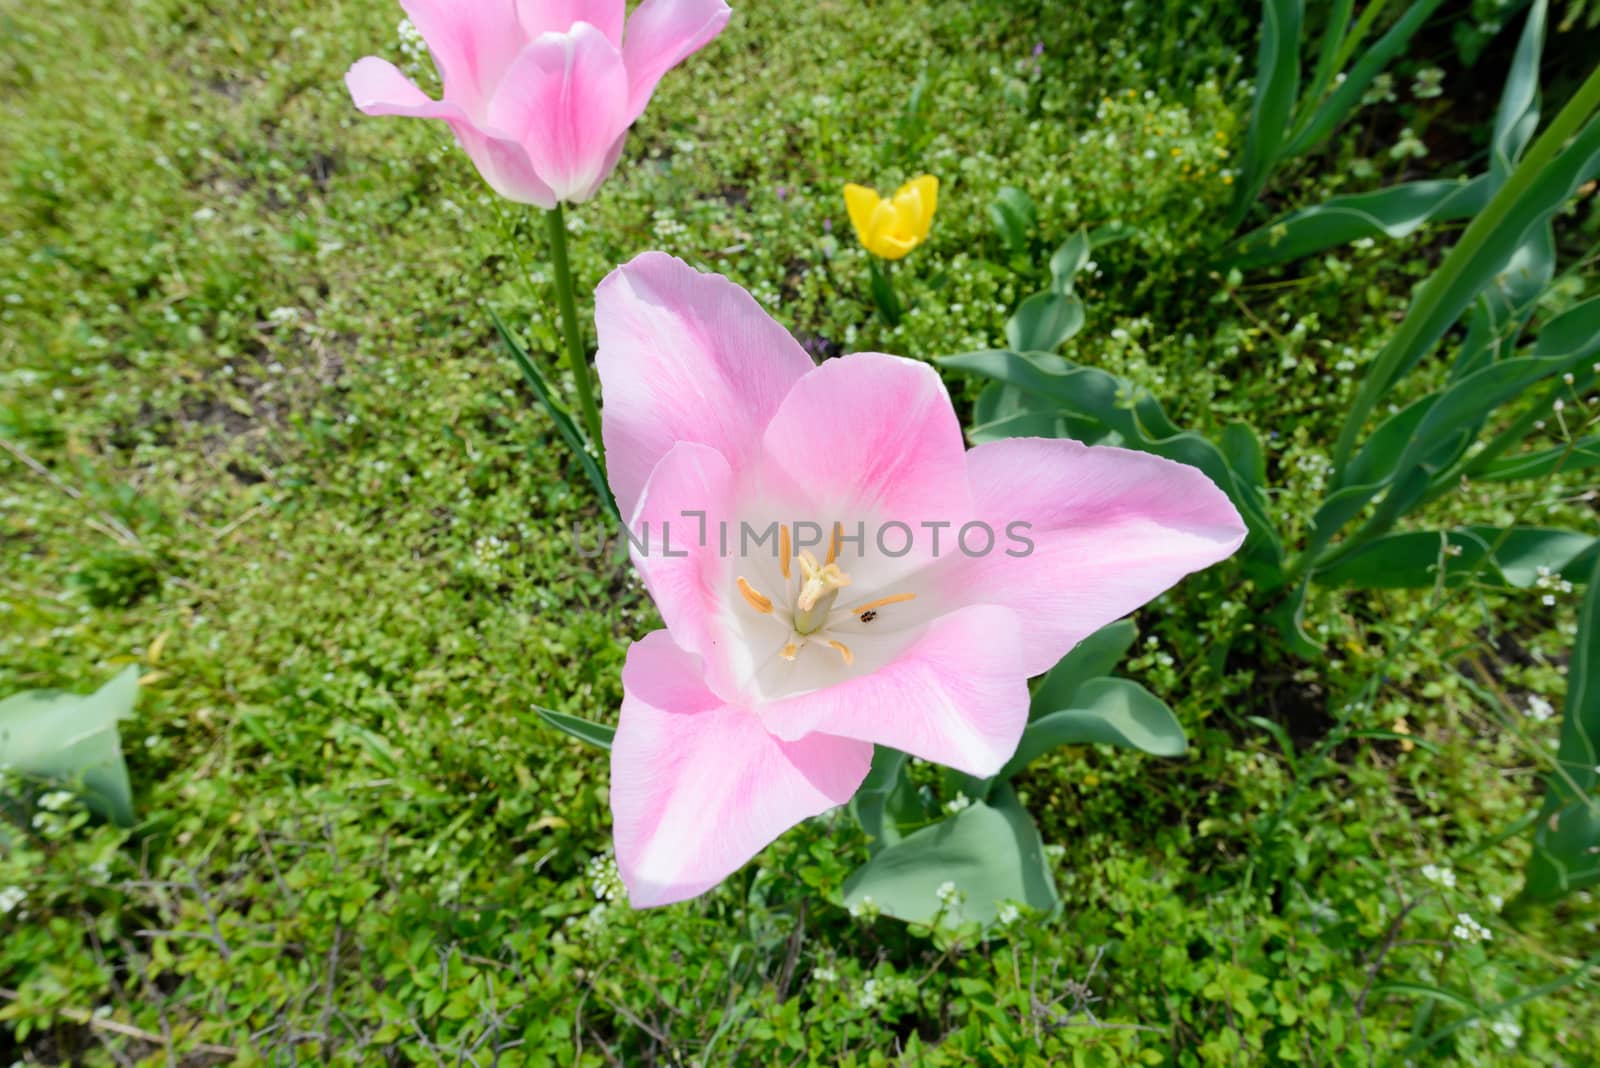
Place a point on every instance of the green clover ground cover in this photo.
(260, 440)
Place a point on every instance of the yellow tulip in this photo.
(894, 226)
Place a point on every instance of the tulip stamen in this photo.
(784, 550)
(873, 606)
(833, 543)
(755, 599)
(844, 652)
(789, 651)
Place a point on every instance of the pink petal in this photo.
(699, 787)
(559, 16)
(1111, 530)
(565, 99)
(660, 35)
(678, 554)
(957, 696)
(473, 43)
(872, 437)
(684, 356)
(378, 88)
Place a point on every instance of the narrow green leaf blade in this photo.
(596, 734)
(1579, 456)
(1393, 213)
(564, 424)
(1276, 89)
(1344, 99)
(1518, 115)
(1566, 843)
(1422, 559)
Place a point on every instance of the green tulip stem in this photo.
(577, 357)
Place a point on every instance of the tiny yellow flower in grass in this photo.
(891, 227)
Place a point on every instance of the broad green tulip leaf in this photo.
(1496, 319)
(1068, 261)
(1358, 79)
(1289, 616)
(1014, 217)
(1242, 449)
(71, 740)
(1004, 411)
(1104, 712)
(1043, 321)
(1093, 658)
(887, 801)
(595, 734)
(1277, 87)
(989, 852)
(1394, 213)
(1579, 456)
(570, 434)
(1566, 843)
(1139, 421)
(1414, 560)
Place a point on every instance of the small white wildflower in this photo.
(1439, 876)
(865, 909)
(604, 878)
(10, 898)
(55, 800)
(1470, 930)
(1496, 902)
(1508, 1032)
(824, 974)
(869, 996)
(947, 893)
(1008, 914)
(957, 803)
(412, 46)
(1540, 709)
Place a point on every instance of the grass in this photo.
(259, 438)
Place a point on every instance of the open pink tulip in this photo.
(540, 93)
(785, 659)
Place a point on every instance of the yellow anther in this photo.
(790, 651)
(758, 602)
(881, 601)
(783, 549)
(833, 543)
(844, 652)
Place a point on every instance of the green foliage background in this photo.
(261, 440)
